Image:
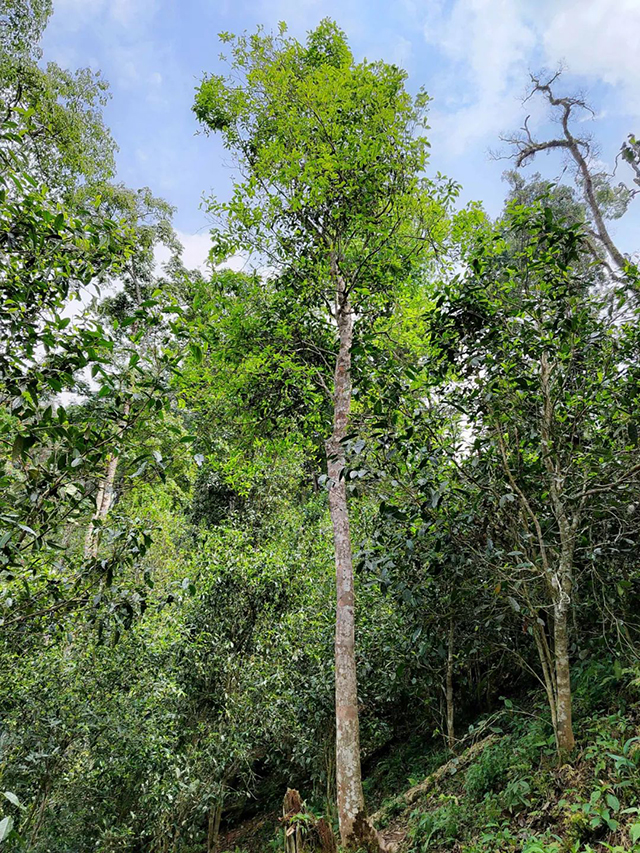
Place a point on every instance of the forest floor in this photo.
(504, 789)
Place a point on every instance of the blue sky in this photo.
(473, 57)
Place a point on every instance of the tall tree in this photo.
(332, 192)
(48, 256)
(60, 111)
(149, 219)
(52, 253)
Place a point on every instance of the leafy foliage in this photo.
(166, 577)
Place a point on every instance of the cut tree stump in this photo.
(303, 832)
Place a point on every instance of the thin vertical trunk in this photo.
(41, 809)
(451, 738)
(348, 773)
(548, 673)
(104, 499)
(561, 580)
(564, 723)
(215, 815)
(590, 196)
(36, 827)
(351, 808)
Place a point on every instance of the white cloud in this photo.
(123, 27)
(73, 14)
(195, 254)
(195, 250)
(489, 37)
(238, 263)
(135, 67)
(486, 43)
(131, 12)
(490, 45)
(395, 49)
(598, 39)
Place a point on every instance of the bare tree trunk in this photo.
(566, 741)
(40, 816)
(292, 808)
(351, 808)
(104, 499)
(348, 772)
(303, 832)
(561, 581)
(451, 738)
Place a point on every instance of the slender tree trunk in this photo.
(564, 723)
(215, 815)
(560, 581)
(351, 808)
(589, 193)
(104, 499)
(40, 816)
(348, 773)
(36, 827)
(548, 674)
(451, 738)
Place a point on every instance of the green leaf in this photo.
(6, 825)
(13, 799)
(613, 802)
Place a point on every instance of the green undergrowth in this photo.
(403, 765)
(515, 795)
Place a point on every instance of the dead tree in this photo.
(303, 832)
(579, 150)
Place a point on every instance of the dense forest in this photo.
(339, 551)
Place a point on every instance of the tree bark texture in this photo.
(350, 796)
(561, 579)
(451, 738)
(564, 724)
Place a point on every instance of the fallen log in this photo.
(449, 769)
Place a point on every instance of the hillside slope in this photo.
(505, 790)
